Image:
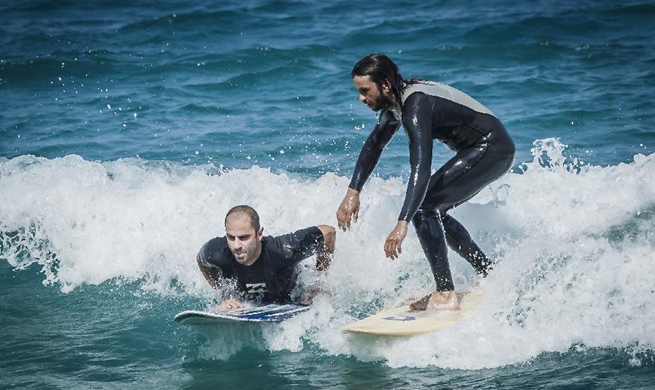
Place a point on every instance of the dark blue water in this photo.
(128, 129)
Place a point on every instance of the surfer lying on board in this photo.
(428, 111)
(261, 268)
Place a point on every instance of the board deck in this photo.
(403, 321)
(267, 313)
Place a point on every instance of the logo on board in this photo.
(400, 318)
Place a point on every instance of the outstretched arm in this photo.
(417, 121)
(368, 159)
(372, 150)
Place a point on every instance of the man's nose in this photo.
(362, 98)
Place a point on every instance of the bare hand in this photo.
(230, 303)
(349, 209)
(308, 296)
(393, 244)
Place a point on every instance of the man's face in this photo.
(371, 95)
(244, 242)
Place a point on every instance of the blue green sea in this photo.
(129, 128)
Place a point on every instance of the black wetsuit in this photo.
(484, 152)
(272, 278)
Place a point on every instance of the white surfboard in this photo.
(403, 321)
(267, 313)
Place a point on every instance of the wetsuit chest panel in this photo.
(271, 277)
(457, 120)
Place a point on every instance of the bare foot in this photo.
(438, 300)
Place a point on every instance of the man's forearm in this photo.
(325, 252)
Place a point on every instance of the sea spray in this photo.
(572, 246)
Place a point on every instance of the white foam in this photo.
(574, 244)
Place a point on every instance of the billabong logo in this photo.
(256, 288)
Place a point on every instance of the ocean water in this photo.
(128, 129)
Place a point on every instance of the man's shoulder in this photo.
(436, 92)
(286, 243)
(296, 233)
(426, 87)
(215, 250)
(216, 242)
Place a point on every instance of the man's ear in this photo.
(260, 234)
(386, 86)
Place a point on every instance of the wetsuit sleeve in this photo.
(215, 254)
(203, 257)
(418, 123)
(301, 244)
(372, 149)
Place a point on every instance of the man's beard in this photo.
(383, 102)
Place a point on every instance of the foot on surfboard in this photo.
(439, 300)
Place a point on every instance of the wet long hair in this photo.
(380, 68)
(249, 211)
